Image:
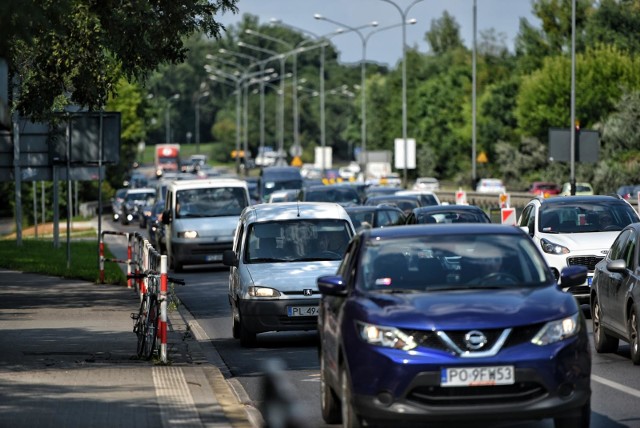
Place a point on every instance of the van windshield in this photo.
(297, 240)
(210, 202)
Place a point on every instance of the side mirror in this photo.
(166, 217)
(618, 266)
(229, 258)
(332, 285)
(573, 275)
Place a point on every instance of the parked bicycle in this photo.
(146, 321)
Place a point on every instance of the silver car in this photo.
(279, 251)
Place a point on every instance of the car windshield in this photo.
(451, 262)
(453, 216)
(297, 240)
(210, 202)
(139, 196)
(341, 196)
(583, 217)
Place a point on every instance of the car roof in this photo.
(561, 200)
(200, 183)
(141, 190)
(293, 211)
(370, 208)
(446, 208)
(407, 231)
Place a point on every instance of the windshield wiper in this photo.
(397, 290)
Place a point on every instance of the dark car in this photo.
(116, 203)
(448, 214)
(615, 295)
(345, 196)
(364, 217)
(155, 228)
(454, 322)
(134, 200)
(405, 202)
(381, 190)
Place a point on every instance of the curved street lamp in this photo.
(167, 121)
(403, 14)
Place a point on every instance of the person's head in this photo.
(605, 219)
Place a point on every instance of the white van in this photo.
(200, 219)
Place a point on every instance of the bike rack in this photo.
(144, 258)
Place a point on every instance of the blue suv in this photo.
(451, 322)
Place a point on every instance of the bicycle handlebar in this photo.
(146, 274)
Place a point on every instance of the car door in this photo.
(330, 317)
(621, 283)
(609, 283)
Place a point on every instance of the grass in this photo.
(39, 256)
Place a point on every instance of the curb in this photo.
(232, 398)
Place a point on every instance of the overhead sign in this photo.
(508, 216)
(586, 150)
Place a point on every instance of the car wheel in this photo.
(634, 340)
(235, 328)
(328, 400)
(247, 337)
(349, 417)
(582, 419)
(603, 342)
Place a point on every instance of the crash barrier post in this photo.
(102, 257)
(163, 309)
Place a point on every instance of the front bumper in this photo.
(400, 388)
(260, 316)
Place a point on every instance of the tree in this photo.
(75, 51)
(444, 34)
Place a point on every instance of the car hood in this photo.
(290, 276)
(584, 242)
(464, 309)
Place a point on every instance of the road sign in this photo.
(505, 200)
(461, 197)
(295, 150)
(508, 216)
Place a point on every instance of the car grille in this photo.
(588, 261)
(430, 339)
(477, 395)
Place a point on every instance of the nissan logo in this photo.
(475, 340)
(307, 292)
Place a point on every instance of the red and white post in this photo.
(101, 246)
(130, 281)
(162, 327)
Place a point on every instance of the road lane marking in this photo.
(616, 385)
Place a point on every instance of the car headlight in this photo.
(555, 331)
(553, 248)
(388, 337)
(188, 234)
(263, 292)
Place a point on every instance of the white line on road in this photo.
(616, 385)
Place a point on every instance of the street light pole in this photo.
(282, 58)
(403, 14)
(474, 101)
(197, 130)
(363, 106)
(167, 117)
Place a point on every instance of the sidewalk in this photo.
(67, 359)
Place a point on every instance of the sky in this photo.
(385, 47)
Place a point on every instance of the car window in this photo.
(586, 217)
(629, 251)
(617, 247)
(297, 240)
(455, 262)
(526, 215)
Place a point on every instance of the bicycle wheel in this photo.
(140, 325)
(151, 328)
